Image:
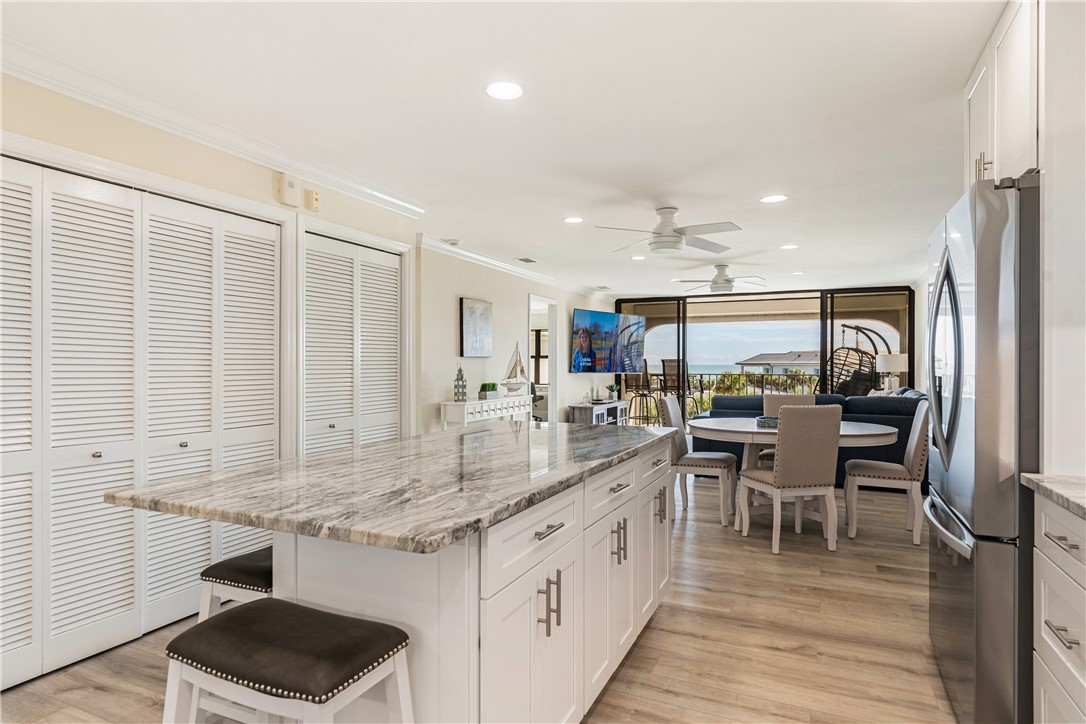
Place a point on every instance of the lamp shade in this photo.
(892, 363)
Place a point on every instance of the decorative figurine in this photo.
(460, 386)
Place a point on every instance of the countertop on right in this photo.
(1067, 491)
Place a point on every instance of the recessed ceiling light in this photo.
(790, 246)
(573, 219)
(798, 273)
(504, 90)
(638, 258)
(774, 199)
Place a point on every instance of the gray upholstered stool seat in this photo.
(283, 658)
(252, 571)
(247, 577)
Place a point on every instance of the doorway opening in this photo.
(542, 351)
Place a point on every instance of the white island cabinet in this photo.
(522, 559)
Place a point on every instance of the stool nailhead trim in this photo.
(282, 692)
(236, 585)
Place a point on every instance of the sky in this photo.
(725, 343)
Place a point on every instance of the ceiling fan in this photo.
(667, 238)
(721, 282)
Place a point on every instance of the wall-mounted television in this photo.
(607, 342)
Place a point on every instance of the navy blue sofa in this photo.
(896, 411)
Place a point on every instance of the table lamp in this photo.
(890, 365)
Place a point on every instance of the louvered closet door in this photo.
(21, 429)
(331, 344)
(379, 345)
(250, 378)
(91, 277)
(180, 258)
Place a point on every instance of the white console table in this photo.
(465, 413)
(613, 412)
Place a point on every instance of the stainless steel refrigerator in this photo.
(983, 381)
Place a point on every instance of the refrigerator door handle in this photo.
(944, 278)
(961, 546)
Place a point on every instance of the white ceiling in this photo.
(851, 109)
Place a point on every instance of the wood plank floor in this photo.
(744, 636)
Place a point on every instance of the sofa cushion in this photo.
(904, 406)
(738, 402)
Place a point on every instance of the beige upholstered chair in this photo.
(720, 465)
(906, 476)
(805, 466)
(771, 407)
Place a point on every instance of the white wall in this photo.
(1063, 162)
(920, 332)
(442, 280)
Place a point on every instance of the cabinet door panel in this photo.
(661, 550)
(559, 692)
(624, 617)
(379, 345)
(1015, 94)
(600, 542)
(978, 108)
(507, 656)
(648, 506)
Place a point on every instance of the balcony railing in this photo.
(704, 386)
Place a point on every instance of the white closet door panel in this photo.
(250, 323)
(180, 259)
(379, 345)
(330, 321)
(92, 546)
(337, 439)
(17, 562)
(238, 539)
(20, 240)
(91, 233)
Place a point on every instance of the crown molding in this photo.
(25, 63)
(432, 244)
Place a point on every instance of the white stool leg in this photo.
(776, 521)
(681, 482)
(831, 519)
(209, 602)
(316, 713)
(398, 691)
(743, 516)
(852, 491)
(179, 694)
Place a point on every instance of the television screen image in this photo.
(607, 342)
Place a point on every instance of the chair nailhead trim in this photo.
(282, 692)
(236, 585)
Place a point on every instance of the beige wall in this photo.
(441, 281)
(35, 112)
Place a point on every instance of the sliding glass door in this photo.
(867, 340)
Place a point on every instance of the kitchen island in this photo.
(522, 558)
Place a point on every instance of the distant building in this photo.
(783, 363)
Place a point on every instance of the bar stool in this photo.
(284, 659)
(644, 405)
(242, 578)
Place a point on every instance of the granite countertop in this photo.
(1067, 491)
(419, 495)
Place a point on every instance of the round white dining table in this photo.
(755, 439)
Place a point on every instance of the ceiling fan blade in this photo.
(620, 228)
(693, 281)
(697, 287)
(632, 243)
(716, 228)
(750, 276)
(705, 245)
(753, 284)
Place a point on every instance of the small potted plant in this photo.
(488, 391)
(613, 389)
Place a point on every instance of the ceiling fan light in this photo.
(504, 90)
(666, 244)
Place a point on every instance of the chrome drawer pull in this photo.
(1061, 541)
(661, 505)
(550, 609)
(1060, 632)
(96, 455)
(625, 539)
(620, 488)
(657, 463)
(332, 426)
(183, 443)
(552, 528)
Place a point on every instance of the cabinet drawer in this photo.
(1059, 610)
(609, 489)
(1051, 704)
(1061, 535)
(653, 463)
(515, 545)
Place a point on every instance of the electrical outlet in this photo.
(312, 200)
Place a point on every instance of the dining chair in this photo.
(720, 465)
(805, 466)
(771, 407)
(907, 476)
